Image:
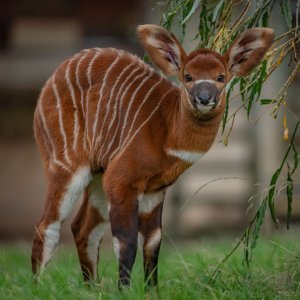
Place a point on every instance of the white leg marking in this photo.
(93, 245)
(153, 241)
(143, 102)
(51, 238)
(60, 120)
(78, 183)
(96, 197)
(147, 202)
(104, 85)
(141, 240)
(130, 139)
(187, 156)
(117, 247)
(72, 93)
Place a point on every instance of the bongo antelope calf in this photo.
(105, 113)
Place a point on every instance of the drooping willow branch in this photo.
(219, 23)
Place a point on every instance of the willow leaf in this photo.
(286, 10)
(191, 12)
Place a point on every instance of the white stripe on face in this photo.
(205, 80)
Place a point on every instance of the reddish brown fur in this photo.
(94, 113)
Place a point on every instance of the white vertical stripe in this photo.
(108, 109)
(121, 105)
(60, 121)
(61, 164)
(49, 138)
(142, 125)
(131, 101)
(89, 77)
(143, 102)
(46, 143)
(72, 93)
(104, 83)
(77, 78)
(80, 88)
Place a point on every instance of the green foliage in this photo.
(184, 273)
(217, 29)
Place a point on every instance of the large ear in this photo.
(248, 50)
(162, 47)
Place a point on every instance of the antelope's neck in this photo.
(190, 136)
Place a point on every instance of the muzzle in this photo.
(204, 96)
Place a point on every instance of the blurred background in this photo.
(36, 36)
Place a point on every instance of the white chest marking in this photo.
(187, 156)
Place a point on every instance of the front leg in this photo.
(124, 226)
(150, 215)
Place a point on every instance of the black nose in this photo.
(204, 96)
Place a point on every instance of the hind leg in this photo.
(63, 191)
(88, 228)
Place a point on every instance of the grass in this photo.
(183, 274)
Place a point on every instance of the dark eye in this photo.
(188, 78)
(221, 78)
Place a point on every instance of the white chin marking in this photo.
(204, 108)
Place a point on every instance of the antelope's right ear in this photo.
(162, 47)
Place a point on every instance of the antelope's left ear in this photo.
(247, 51)
(163, 48)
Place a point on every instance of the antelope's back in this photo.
(93, 105)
